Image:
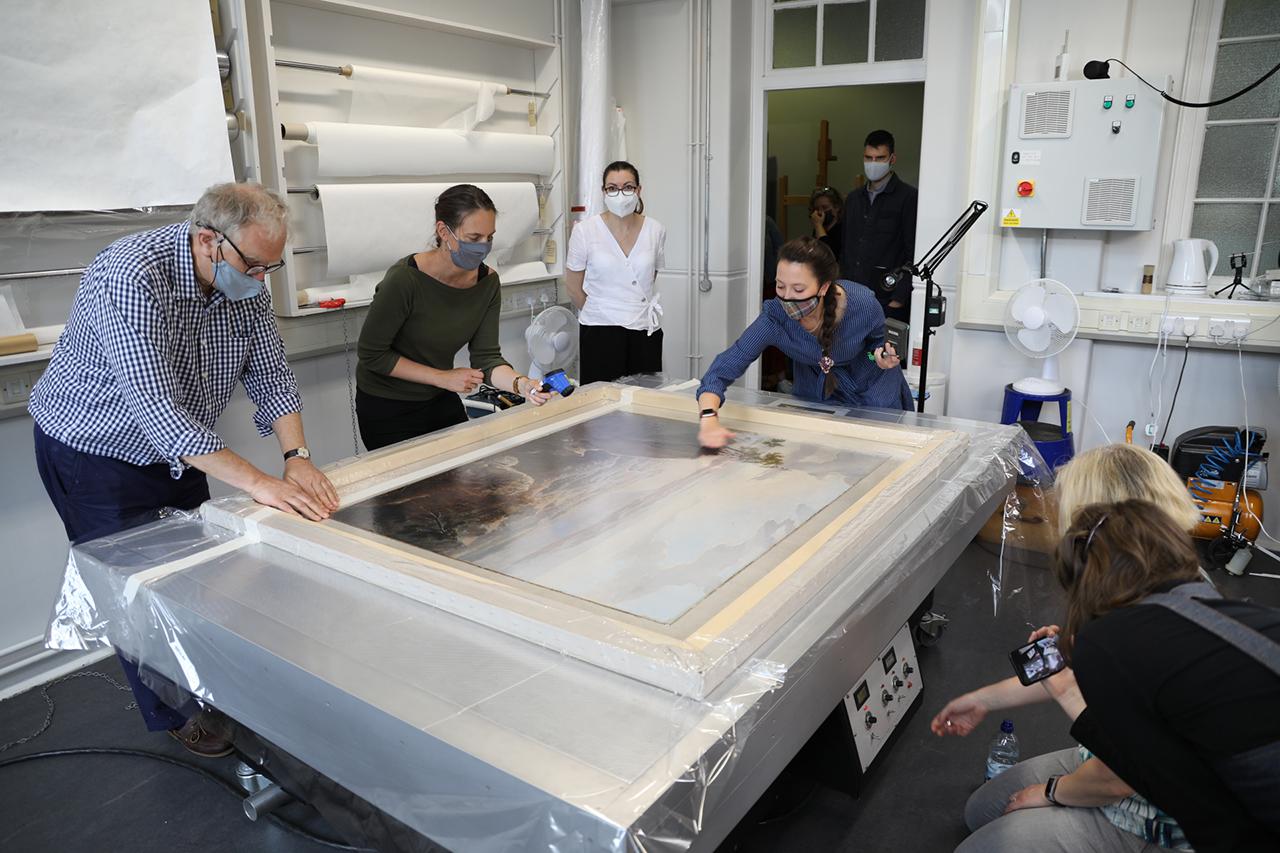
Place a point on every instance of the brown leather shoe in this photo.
(200, 742)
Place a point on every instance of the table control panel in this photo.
(880, 699)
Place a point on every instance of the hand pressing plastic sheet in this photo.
(368, 227)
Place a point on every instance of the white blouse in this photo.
(621, 289)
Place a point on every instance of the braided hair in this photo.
(817, 256)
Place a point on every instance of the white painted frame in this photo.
(690, 656)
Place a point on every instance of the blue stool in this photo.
(1054, 441)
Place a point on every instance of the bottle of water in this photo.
(1004, 751)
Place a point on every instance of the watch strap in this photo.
(297, 452)
(1051, 790)
(708, 413)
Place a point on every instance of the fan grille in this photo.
(1058, 339)
(1110, 201)
(1047, 115)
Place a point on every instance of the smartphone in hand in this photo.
(1038, 660)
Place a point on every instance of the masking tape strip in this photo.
(163, 570)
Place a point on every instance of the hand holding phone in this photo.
(1037, 660)
(558, 382)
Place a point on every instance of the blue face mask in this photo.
(234, 284)
(468, 256)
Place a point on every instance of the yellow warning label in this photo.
(1011, 218)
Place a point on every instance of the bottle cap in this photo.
(1006, 726)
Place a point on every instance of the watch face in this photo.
(300, 453)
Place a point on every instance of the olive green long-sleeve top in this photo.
(420, 318)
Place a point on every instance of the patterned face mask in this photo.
(798, 309)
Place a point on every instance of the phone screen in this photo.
(1037, 661)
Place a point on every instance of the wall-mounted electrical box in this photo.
(1081, 154)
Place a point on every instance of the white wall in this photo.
(651, 68)
(1108, 380)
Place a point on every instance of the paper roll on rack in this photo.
(382, 82)
(366, 150)
(367, 227)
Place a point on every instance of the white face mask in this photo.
(875, 169)
(621, 205)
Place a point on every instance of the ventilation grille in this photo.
(1047, 115)
(1110, 201)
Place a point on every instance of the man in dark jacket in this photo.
(880, 227)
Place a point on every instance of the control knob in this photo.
(885, 697)
(870, 720)
(907, 669)
(897, 682)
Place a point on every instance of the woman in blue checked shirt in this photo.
(833, 331)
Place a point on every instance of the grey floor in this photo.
(912, 800)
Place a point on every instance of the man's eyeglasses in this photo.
(251, 267)
(612, 192)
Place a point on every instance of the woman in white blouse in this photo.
(612, 266)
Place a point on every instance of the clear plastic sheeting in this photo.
(484, 742)
(38, 243)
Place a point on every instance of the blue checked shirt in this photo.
(147, 363)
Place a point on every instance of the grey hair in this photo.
(227, 208)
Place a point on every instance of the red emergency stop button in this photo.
(1026, 189)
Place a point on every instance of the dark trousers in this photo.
(97, 496)
(384, 421)
(611, 352)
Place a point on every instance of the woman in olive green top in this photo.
(426, 308)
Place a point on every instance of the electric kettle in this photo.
(1188, 269)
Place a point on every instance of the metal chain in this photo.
(48, 701)
(351, 388)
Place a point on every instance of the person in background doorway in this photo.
(880, 227)
(826, 209)
(165, 325)
(832, 330)
(428, 306)
(611, 272)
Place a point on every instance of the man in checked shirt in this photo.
(165, 324)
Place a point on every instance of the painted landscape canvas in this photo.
(622, 510)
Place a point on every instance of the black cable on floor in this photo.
(287, 826)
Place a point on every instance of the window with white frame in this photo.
(814, 33)
(1237, 198)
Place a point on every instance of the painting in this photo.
(622, 510)
(596, 527)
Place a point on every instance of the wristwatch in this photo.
(299, 452)
(1051, 788)
(707, 413)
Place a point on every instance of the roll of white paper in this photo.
(359, 289)
(366, 150)
(526, 271)
(369, 226)
(478, 95)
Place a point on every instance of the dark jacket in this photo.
(878, 238)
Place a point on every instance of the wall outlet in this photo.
(1108, 321)
(1189, 327)
(1238, 329)
(1141, 323)
(1150, 430)
(1218, 327)
(15, 389)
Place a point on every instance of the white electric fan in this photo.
(552, 337)
(1040, 320)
